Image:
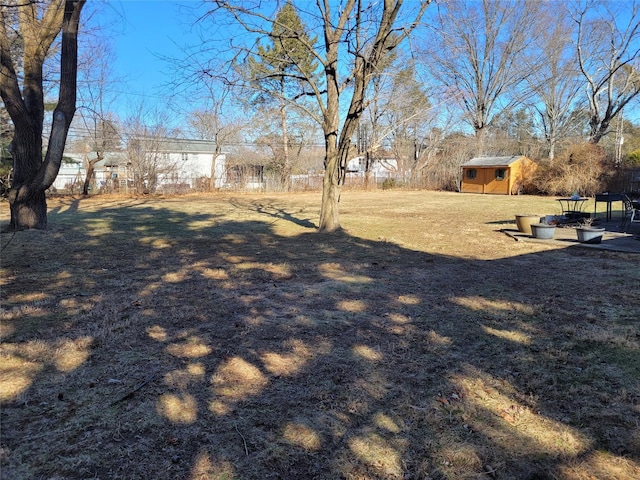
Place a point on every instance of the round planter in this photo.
(525, 221)
(543, 231)
(590, 234)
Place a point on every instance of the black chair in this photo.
(631, 213)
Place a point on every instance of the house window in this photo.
(501, 174)
(185, 157)
(471, 173)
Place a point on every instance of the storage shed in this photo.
(498, 175)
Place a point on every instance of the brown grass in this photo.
(222, 337)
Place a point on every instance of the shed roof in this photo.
(492, 161)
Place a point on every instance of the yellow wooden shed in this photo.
(497, 175)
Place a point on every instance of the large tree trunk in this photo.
(27, 203)
(32, 175)
(28, 208)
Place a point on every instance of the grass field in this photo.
(222, 337)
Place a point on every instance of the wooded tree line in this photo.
(430, 85)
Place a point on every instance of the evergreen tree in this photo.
(280, 73)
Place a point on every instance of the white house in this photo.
(70, 176)
(180, 162)
(190, 160)
(109, 172)
(379, 168)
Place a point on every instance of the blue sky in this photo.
(140, 32)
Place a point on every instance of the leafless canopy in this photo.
(608, 52)
(353, 40)
(478, 52)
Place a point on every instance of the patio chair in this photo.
(631, 213)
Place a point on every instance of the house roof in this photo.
(161, 145)
(181, 145)
(492, 161)
(111, 159)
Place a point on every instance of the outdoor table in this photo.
(608, 198)
(572, 207)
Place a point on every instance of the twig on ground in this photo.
(7, 244)
(244, 442)
(135, 389)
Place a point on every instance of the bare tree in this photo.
(144, 135)
(608, 52)
(478, 51)
(407, 117)
(355, 38)
(373, 131)
(214, 122)
(555, 78)
(95, 75)
(37, 26)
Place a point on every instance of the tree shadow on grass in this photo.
(267, 207)
(160, 344)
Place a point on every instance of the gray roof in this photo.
(163, 145)
(181, 145)
(111, 159)
(492, 161)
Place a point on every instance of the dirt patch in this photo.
(213, 337)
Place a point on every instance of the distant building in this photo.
(497, 175)
(70, 176)
(184, 164)
(190, 160)
(379, 167)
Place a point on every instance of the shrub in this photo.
(579, 169)
(6, 171)
(633, 159)
(389, 183)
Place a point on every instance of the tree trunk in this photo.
(285, 173)
(331, 185)
(87, 178)
(91, 165)
(32, 175)
(481, 135)
(27, 202)
(599, 128)
(28, 208)
(552, 143)
(331, 189)
(212, 179)
(367, 170)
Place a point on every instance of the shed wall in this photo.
(485, 181)
(517, 174)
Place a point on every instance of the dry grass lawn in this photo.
(222, 337)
